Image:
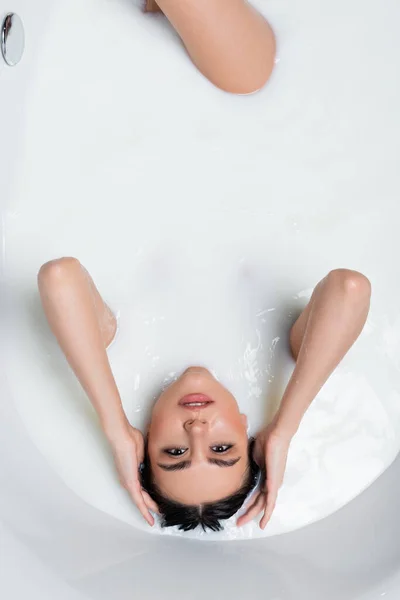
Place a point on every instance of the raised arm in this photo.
(228, 40)
(84, 326)
(320, 338)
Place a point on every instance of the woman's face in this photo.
(197, 440)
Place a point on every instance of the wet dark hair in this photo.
(187, 517)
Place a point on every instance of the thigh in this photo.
(228, 40)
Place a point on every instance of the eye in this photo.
(221, 448)
(175, 451)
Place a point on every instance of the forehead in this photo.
(202, 482)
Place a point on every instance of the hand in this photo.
(128, 451)
(270, 452)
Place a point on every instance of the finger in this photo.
(144, 511)
(254, 501)
(252, 511)
(266, 518)
(259, 501)
(136, 493)
(269, 509)
(148, 500)
(243, 518)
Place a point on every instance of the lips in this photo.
(195, 401)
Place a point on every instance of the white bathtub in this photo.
(53, 544)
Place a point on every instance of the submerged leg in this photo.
(228, 40)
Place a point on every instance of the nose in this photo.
(195, 425)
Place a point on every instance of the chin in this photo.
(198, 370)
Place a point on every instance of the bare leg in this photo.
(84, 326)
(320, 338)
(228, 40)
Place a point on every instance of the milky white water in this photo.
(206, 220)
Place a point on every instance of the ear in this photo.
(244, 420)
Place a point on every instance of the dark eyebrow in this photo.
(186, 464)
(180, 466)
(223, 463)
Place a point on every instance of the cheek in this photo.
(162, 432)
(162, 426)
(166, 401)
(231, 422)
(155, 427)
(154, 442)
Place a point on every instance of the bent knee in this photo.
(353, 282)
(248, 72)
(57, 269)
(248, 88)
(249, 82)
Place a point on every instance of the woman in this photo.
(197, 465)
(227, 40)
